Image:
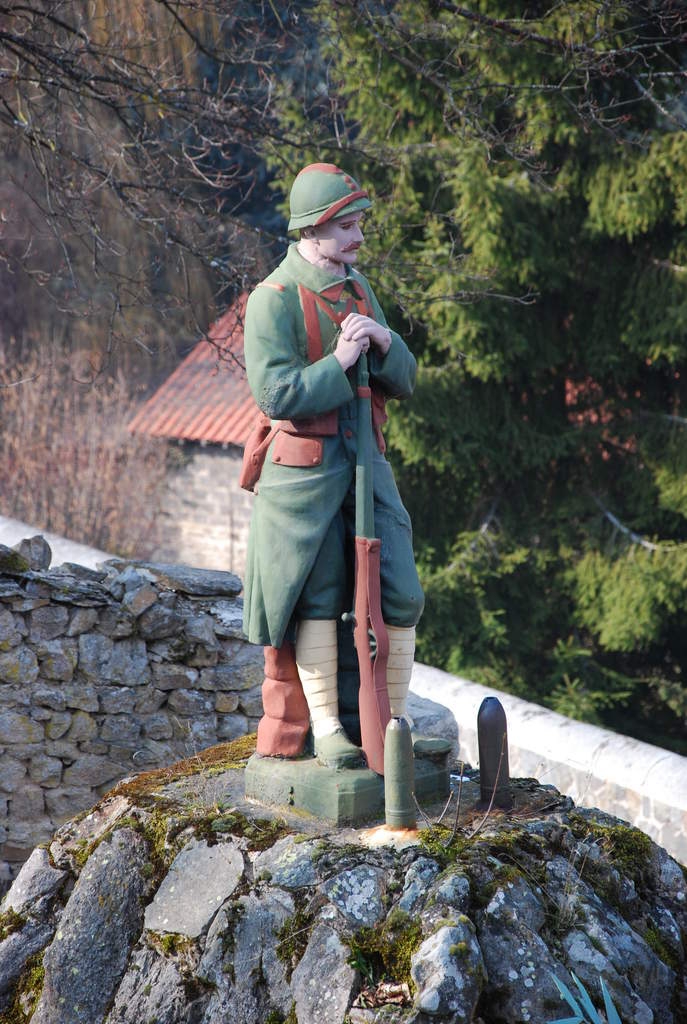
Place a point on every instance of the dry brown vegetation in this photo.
(67, 460)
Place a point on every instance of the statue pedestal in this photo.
(354, 796)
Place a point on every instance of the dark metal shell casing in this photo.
(494, 772)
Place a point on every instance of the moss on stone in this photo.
(260, 832)
(503, 875)
(653, 939)
(27, 992)
(291, 1017)
(12, 563)
(10, 922)
(293, 938)
(171, 944)
(627, 848)
(384, 953)
(220, 758)
(459, 950)
(440, 843)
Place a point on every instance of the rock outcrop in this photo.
(176, 902)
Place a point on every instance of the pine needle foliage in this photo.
(530, 236)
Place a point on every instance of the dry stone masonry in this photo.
(176, 902)
(108, 672)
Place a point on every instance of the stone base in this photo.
(354, 796)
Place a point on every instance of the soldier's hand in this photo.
(347, 350)
(356, 325)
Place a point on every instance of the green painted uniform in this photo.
(303, 515)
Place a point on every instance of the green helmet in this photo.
(323, 191)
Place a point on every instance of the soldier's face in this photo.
(340, 238)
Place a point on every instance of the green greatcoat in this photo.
(296, 505)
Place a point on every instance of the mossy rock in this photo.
(222, 757)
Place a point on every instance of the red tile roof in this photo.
(207, 397)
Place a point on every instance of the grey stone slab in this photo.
(91, 770)
(83, 727)
(12, 563)
(12, 773)
(19, 666)
(81, 695)
(518, 962)
(47, 771)
(62, 803)
(250, 701)
(36, 879)
(233, 677)
(10, 589)
(226, 702)
(48, 623)
(448, 972)
(49, 697)
(148, 700)
(174, 676)
(323, 982)
(157, 726)
(230, 727)
(200, 629)
(241, 961)
(61, 748)
(152, 753)
(16, 949)
(417, 881)
(58, 659)
(100, 923)
(229, 618)
(140, 599)
(196, 582)
(117, 700)
(200, 879)
(80, 572)
(58, 725)
(9, 634)
(71, 589)
(159, 622)
(288, 863)
(82, 620)
(453, 890)
(120, 730)
(27, 803)
(358, 895)
(95, 651)
(116, 622)
(154, 990)
(37, 550)
(16, 728)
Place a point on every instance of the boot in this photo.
(398, 672)
(284, 726)
(317, 660)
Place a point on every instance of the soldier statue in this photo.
(306, 325)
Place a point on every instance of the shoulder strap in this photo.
(310, 303)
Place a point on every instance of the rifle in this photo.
(370, 635)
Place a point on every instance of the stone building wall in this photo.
(107, 673)
(206, 514)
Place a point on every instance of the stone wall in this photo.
(106, 673)
(206, 514)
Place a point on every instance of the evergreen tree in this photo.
(529, 164)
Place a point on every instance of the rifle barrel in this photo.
(364, 495)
